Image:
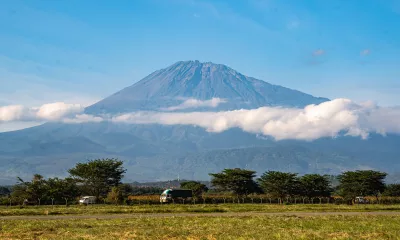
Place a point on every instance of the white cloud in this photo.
(47, 112)
(82, 118)
(328, 119)
(194, 103)
(11, 113)
(58, 110)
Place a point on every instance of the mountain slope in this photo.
(203, 81)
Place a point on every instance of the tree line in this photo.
(102, 178)
(351, 184)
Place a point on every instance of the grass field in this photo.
(277, 227)
(200, 208)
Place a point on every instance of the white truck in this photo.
(87, 200)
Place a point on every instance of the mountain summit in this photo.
(203, 81)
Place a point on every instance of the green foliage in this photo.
(36, 189)
(239, 181)
(40, 190)
(4, 191)
(197, 187)
(62, 189)
(115, 195)
(279, 184)
(315, 185)
(135, 190)
(361, 183)
(98, 176)
(392, 190)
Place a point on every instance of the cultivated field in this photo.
(189, 208)
(187, 227)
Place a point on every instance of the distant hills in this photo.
(157, 153)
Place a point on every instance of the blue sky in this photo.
(81, 51)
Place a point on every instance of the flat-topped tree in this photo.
(361, 183)
(238, 181)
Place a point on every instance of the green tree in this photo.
(315, 185)
(361, 183)
(197, 187)
(19, 193)
(4, 191)
(36, 189)
(62, 189)
(279, 184)
(392, 190)
(239, 181)
(98, 176)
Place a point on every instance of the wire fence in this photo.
(208, 199)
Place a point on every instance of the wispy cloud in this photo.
(318, 52)
(365, 52)
(195, 103)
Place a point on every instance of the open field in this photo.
(195, 227)
(200, 208)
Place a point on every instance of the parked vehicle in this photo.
(361, 200)
(172, 195)
(87, 200)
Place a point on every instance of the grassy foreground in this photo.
(329, 227)
(200, 208)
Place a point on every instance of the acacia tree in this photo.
(279, 184)
(98, 176)
(361, 183)
(239, 181)
(315, 185)
(197, 187)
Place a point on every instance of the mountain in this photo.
(203, 81)
(157, 152)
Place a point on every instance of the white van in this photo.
(87, 200)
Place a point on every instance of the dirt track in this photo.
(157, 215)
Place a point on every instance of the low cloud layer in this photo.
(47, 112)
(194, 103)
(329, 119)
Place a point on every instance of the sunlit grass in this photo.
(178, 208)
(255, 227)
